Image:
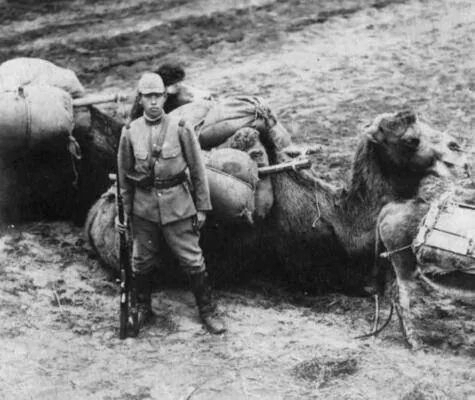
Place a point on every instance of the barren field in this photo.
(326, 68)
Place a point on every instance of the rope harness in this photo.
(318, 214)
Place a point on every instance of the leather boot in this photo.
(206, 306)
(145, 316)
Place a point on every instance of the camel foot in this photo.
(407, 328)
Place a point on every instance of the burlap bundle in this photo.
(232, 177)
(194, 112)
(33, 116)
(24, 71)
(229, 115)
(247, 140)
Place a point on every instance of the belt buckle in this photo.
(160, 184)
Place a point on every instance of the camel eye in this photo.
(412, 142)
(454, 146)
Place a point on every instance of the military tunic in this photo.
(155, 210)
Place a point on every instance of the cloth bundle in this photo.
(232, 177)
(225, 117)
(33, 116)
(244, 124)
(24, 71)
(194, 112)
(247, 140)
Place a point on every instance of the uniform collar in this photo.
(153, 121)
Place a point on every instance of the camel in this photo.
(396, 229)
(314, 228)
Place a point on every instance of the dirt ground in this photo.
(326, 68)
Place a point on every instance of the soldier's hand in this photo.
(200, 219)
(122, 228)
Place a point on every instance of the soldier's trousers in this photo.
(180, 236)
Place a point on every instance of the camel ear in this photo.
(398, 124)
(292, 151)
(373, 133)
(407, 117)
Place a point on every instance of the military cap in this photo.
(150, 83)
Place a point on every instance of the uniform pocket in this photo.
(142, 164)
(141, 155)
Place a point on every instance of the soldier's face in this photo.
(152, 103)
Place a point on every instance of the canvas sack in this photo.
(33, 116)
(24, 71)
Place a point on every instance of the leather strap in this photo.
(156, 142)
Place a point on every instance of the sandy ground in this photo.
(326, 67)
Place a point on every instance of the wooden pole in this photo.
(287, 166)
(98, 99)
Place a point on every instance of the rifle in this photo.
(127, 286)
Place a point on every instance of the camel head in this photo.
(406, 145)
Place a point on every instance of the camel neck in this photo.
(374, 182)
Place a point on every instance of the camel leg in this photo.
(404, 264)
(376, 313)
(376, 281)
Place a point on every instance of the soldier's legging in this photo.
(180, 236)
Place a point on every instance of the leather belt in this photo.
(168, 183)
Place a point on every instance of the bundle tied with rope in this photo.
(239, 131)
(37, 108)
(230, 114)
(35, 118)
(232, 178)
(26, 71)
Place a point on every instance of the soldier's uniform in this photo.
(167, 202)
(158, 161)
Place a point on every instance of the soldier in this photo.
(156, 155)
